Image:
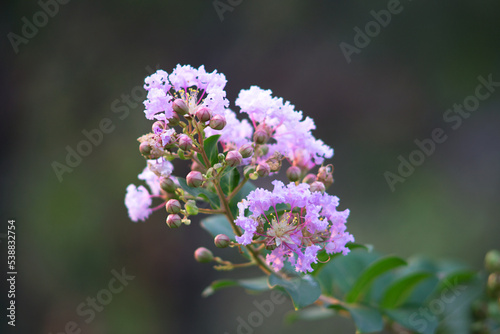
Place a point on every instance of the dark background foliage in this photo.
(72, 234)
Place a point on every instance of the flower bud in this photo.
(317, 186)
(293, 173)
(145, 148)
(174, 221)
(180, 107)
(492, 261)
(204, 114)
(222, 241)
(158, 126)
(218, 122)
(262, 150)
(246, 150)
(191, 208)
(194, 179)
(260, 136)
(173, 206)
(167, 184)
(203, 255)
(233, 158)
(185, 143)
(263, 169)
(174, 120)
(309, 178)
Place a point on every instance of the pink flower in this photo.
(138, 202)
(309, 223)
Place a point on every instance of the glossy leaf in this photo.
(304, 290)
(366, 319)
(229, 180)
(375, 269)
(399, 291)
(211, 150)
(324, 258)
(257, 284)
(414, 319)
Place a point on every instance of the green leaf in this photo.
(312, 313)
(324, 258)
(208, 196)
(339, 275)
(368, 276)
(229, 180)
(257, 284)
(366, 319)
(413, 319)
(400, 290)
(211, 150)
(218, 224)
(304, 290)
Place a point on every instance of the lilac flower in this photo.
(161, 167)
(195, 86)
(291, 133)
(309, 223)
(138, 202)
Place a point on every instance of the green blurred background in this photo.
(72, 234)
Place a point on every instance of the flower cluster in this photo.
(191, 118)
(294, 223)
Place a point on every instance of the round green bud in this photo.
(174, 221)
(145, 149)
(194, 179)
(203, 255)
(293, 173)
(173, 206)
(191, 208)
(218, 122)
(180, 106)
(492, 261)
(233, 158)
(263, 169)
(168, 184)
(246, 150)
(309, 178)
(222, 241)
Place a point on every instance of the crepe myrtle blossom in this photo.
(138, 200)
(195, 88)
(277, 119)
(309, 223)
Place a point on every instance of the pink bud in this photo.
(222, 241)
(263, 169)
(309, 178)
(174, 221)
(317, 186)
(203, 255)
(173, 206)
(246, 150)
(185, 143)
(204, 114)
(180, 107)
(293, 173)
(260, 136)
(233, 158)
(218, 122)
(194, 179)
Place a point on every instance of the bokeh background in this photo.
(72, 234)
